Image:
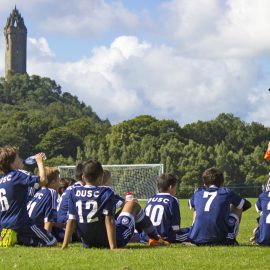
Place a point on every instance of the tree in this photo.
(60, 141)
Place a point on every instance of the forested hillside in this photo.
(36, 116)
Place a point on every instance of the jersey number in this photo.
(155, 213)
(211, 196)
(3, 200)
(30, 208)
(88, 205)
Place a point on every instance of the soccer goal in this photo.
(140, 179)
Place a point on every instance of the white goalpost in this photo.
(140, 179)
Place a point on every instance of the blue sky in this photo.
(186, 60)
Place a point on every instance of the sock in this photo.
(233, 226)
(143, 222)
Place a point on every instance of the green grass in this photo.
(136, 256)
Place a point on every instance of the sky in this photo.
(185, 60)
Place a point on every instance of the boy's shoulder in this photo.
(89, 189)
(163, 197)
(200, 189)
(226, 190)
(22, 172)
(218, 189)
(49, 191)
(265, 195)
(13, 173)
(77, 184)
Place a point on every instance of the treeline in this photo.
(36, 116)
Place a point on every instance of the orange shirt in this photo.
(267, 154)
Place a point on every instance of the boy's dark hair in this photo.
(64, 183)
(92, 170)
(79, 171)
(7, 157)
(164, 181)
(213, 176)
(52, 174)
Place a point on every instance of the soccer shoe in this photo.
(160, 242)
(252, 240)
(231, 242)
(8, 238)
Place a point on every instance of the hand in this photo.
(40, 157)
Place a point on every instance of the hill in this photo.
(37, 116)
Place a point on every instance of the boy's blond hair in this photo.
(52, 174)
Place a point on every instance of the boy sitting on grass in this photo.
(92, 208)
(14, 219)
(217, 211)
(42, 207)
(62, 208)
(164, 211)
(262, 232)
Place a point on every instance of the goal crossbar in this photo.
(140, 179)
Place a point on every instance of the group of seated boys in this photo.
(43, 210)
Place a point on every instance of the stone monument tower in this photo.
(16, 37)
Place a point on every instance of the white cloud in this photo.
(260, 101)
(97, 80)
(131, 77)
(232, 28)
(41, 47)
(87, 18)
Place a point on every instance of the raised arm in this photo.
(41, 168)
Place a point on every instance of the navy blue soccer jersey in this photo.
(119, 201)
(212, 206)
(164, 212)
(42, 207)
(31, 193)
(89, 205)
(14, 197)
(262, 235)
(62, 207)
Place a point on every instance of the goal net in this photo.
(140, 179)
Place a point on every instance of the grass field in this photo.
(245, 256)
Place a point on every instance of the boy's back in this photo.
(163, 210)
(91, 225)
(62, 207)
(212, 206)
(42, 207)
(262, 235)
(13, 198)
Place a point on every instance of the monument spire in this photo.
(16, 38)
